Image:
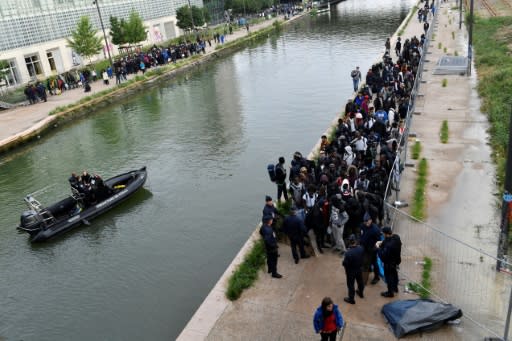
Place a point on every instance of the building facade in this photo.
(34, 32)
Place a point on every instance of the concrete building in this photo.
(34, 32)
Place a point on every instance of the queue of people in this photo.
(340, 195)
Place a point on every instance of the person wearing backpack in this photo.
(280, 177)
(356, 77)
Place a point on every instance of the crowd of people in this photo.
(340, 195)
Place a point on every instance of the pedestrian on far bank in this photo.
(389, 252)
(105, 77)
(328, 320)
(356, 78)
(425, 27)
(295, 229)
(271, 247)
(94, 75)
(247, 27)
(281, 180)
(353, 264)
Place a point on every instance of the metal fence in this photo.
(462, 275)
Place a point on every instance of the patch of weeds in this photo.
(423, 289)
(418, 204)
(247, 272)
(444, 132)
(416, 150)
(439, 45)
(444, 82)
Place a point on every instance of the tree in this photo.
(200, 15)
(117, 31)
(83, 40)
(134, 30)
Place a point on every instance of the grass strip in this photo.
(423, 289)
(247, 272)
(416, 150)
(444, 132)
(418, 204)
(492, 59)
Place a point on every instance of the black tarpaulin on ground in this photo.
(412, 316)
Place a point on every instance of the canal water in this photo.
(141, 270)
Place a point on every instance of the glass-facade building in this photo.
(34, 31)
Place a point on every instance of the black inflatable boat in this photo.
(43, 223)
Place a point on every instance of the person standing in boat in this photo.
(74, 181)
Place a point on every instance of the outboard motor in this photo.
(31, 221)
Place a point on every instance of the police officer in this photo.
(353, 263)
(370, 235)
(269, 209)
(269, 237)
(389, 252)
(294, 228)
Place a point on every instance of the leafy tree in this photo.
(117, 30)
(134, 30)
(83, 39)
(4, 68)
(200, 15)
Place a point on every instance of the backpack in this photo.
(271, 168)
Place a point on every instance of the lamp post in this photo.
(191, 16)
(96, 2)
(470, 37)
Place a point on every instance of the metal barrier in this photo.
(462, 274)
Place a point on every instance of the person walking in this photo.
(338, 219)
(294, 228)
(398, 47)
(356, 78)
(389, 252)
(328, 320)
(353, 264)
(270, 240)
(281, 180)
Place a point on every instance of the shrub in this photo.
(247, 272)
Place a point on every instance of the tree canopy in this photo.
(200, 15)
(84, 40)
(129, 31)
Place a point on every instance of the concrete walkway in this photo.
(283, 309)
(26, 120)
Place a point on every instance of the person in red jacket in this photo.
(328, 320)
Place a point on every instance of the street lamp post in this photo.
(191, 16)
(96, 2)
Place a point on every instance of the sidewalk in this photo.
(25, 121)
(283, 309)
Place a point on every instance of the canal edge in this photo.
(51, 122)
(207, 314)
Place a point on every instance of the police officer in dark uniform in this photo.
(389, 252)
(353, 263)
(269, 209)
(370, 235)
(294, 228)
(269, 237)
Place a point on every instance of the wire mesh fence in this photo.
(461, 274)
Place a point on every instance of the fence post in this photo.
(507, 322)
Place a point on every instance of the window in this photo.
(51, 60)
(12, 77)
(33, 65)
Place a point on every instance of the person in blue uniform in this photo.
(353, 264)
(389, 252)
(270, 240)
(370, 235)
(269, 209)
(294, 228)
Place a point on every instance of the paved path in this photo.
(283, 309)
(22, 121)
